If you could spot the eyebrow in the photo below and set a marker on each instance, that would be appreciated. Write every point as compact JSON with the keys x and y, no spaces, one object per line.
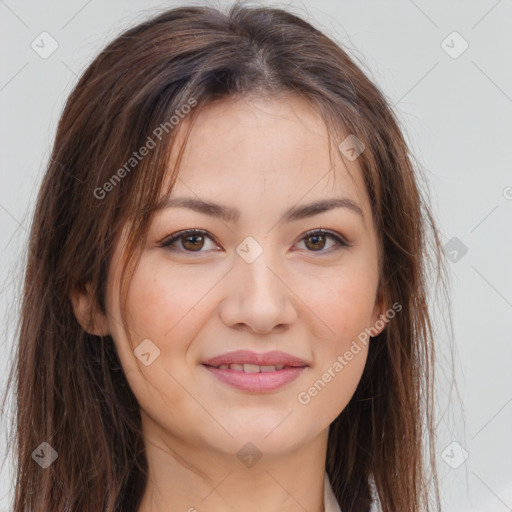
{"x":230,"y":214}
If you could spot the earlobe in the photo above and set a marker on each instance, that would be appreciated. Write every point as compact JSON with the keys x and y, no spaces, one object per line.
{"x":87,"y":314}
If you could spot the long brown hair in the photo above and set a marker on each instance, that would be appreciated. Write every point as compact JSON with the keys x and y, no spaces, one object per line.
{"x":69,"y":385}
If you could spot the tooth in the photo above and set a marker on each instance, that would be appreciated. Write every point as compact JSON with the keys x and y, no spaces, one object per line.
{"x":223,"y":366}
{"x":279,"y":366}
{"x":236,"y":366}
{"x":251,"y":368}
{"x":268,"y":368}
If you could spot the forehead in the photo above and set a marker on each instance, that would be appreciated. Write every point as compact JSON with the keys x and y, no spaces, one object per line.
{"x":274,"y":149}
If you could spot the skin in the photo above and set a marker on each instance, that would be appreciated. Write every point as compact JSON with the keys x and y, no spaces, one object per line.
{"x":310,"y":298}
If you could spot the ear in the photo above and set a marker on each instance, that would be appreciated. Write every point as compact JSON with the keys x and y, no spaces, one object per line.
{"x":87,"y":312}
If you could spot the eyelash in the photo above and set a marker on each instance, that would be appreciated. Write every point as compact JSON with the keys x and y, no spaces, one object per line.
{"x":182,"y":234}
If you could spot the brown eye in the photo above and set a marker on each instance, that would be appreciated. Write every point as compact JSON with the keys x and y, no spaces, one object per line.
{"x":317,"y":242}
{"x":191,"y":241}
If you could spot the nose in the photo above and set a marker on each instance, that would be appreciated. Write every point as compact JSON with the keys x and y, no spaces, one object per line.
{"x":258,"y":297}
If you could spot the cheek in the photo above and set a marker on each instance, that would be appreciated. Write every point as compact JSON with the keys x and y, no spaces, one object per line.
{"x":352,"y":308}
{"x":162,"y":305}
{"x":343,"y":302}
{"x":341,"y":356}
{"x":161,"y":308}
{"x":336,"y":383}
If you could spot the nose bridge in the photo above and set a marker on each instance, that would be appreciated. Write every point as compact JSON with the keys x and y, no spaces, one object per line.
{"x":257,"y":295}
{"x":259,"y":276}
{"x":258,"y":281}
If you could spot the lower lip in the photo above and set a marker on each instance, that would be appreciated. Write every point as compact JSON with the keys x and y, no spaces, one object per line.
{"x":261,"y":381}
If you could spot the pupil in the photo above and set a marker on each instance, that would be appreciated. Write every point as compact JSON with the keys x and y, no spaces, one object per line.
{"x":316,"y":237}
{"x":194,"y":241}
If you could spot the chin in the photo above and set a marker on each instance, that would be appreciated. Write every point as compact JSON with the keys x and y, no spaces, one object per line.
{"x":277,"y":438}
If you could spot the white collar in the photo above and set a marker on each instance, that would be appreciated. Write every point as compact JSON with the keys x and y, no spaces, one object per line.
{"x":331,"y":504}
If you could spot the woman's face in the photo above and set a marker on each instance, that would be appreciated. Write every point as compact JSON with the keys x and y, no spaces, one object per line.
{"x":251,"y":280}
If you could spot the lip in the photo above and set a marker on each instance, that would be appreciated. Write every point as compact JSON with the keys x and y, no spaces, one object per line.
{"x":261,"y":381}
{"x":257,"y":382}
{"x":271,"y":358}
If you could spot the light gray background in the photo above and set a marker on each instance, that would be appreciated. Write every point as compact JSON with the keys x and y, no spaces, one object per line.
{"x":457,"y":115}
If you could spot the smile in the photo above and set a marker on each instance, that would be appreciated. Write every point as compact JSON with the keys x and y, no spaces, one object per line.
{"x":250,"y":368}
{"x":254,"y":378}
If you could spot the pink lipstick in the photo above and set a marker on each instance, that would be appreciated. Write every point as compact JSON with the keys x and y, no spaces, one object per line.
{"x":256,"y":372}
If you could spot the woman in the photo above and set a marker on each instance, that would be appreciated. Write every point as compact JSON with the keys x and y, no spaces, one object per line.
{"x":209,"y":321}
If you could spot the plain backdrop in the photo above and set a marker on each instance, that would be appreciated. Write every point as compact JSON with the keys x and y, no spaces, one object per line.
{"x":446,"y":69}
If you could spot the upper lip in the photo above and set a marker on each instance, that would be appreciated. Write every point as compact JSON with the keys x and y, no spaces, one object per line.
{"x":272,"y":358}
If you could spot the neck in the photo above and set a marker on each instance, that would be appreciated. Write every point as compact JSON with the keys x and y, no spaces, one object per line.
{"x":193,"y":478}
